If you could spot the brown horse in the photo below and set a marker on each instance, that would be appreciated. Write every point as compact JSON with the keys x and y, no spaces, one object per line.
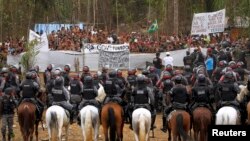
{"x":202,"y":118}
{"x":26,"y":113}
{"x":248,"y":113}
{"x":179,"y":124}
{"x":112,"y":121}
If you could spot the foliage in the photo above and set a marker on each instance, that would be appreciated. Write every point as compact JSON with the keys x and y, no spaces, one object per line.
{"x":17,"y":16}
{"x":28,"y":58}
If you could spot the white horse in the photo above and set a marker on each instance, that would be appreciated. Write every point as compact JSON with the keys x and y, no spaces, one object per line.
{"x":89,"y":121}
{"x":56,"y":119}
{"x":227,"y":115}
{"x":141,"y":122}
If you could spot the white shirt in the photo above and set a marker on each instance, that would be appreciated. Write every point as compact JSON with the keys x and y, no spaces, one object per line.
{"x":168,"y":60}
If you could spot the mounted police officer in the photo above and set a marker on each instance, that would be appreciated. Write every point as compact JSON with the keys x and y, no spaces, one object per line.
{"x":61,"y":96}
{"x":48,"y":73}
{"x":143,"y":97}
{"x":85,"y":72}
{"x":112,"y":89}
{"x":165,"y":86}
{"x":90,"y":92}
{"x":228,"y":90}
{"x":179,"y":96}
{"x":29,"y":91}
{"x":201,"y":94}
{"x":66,"y":76}
{"x":76,"y":88}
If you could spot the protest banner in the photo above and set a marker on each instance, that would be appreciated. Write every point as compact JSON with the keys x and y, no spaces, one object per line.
{"x":210,"y":22}
{"x":114,"y":56}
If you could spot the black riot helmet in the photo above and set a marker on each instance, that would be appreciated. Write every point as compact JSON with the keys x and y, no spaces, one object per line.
{"x":178,"y":79}
{"x":201,"y":78}
{"x":113,"y":74}
{"x":29,"y":75}
{"x":140,"y":80}
{"x":58,"y":81}
{"x":88,"y":80}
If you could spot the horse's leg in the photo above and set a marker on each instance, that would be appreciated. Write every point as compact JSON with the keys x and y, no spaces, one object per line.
{"x":169,"y":134}
{"x":66,"y":132}
{"x":36,"y":130}
{"x":96,"y":128}
{"x":105,"y":130}
{"x":195,"y":135}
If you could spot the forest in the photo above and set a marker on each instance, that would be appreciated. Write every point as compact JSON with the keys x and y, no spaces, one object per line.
{"x":174,"y":16}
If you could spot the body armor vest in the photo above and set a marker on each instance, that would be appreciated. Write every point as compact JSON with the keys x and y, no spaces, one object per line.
{"x":89,"y":93}
{"x":141,"y":96}
{"x":75,"y":88}
{"x":58,"y":95}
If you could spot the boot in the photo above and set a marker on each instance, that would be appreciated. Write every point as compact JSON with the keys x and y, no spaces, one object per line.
{"x":71,"y":117}
{"x":153,"y":122}
{"x":164,"y":125}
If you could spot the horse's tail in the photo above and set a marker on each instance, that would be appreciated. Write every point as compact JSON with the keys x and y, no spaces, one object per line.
{"x":88,"y":125}
{"x":180,"y":129}
{"x":142,"y":128}
{"x":53,"y":125}
{"x":203,"y":121}
{"x":25,"y":122}
{"x":111,"y":123}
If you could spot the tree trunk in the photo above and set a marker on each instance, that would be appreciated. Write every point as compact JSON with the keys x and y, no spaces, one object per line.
{"x":176,"y":16}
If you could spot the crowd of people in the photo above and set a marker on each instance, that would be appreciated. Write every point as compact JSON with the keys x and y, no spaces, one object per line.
{"x":73,"y":38}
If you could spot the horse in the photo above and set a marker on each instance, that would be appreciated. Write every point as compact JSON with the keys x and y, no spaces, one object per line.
{"x":202,"y":118}
{"x":227,"y":115}
{"x":112,"y":121}
{"x":56,"y":119}
{"x":141,"y":122}
{"x":89,"y":116}
{"x":28,"y":123}
{"x":179,"y":123}
{"x":248,"y":113}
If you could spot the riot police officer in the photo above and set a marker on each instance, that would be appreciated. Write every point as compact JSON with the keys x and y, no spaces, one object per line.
{"x":141,"y":97}
{"x":112,"y":88}
{"x":61,"y":96}
{"x":201,"y":94}
{"x":76,"y":88}
{"x":29,"y":91}
{"x":179,"y":96}
{"x":66,"y":76}
{"x":228,"y":90}
{"x":85,"y":72}
{"x":89,"y":93}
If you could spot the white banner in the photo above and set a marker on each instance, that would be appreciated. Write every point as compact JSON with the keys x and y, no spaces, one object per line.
{"x":211,"y":22}
{"x":94,"y":48}
{"x":114,"y":56}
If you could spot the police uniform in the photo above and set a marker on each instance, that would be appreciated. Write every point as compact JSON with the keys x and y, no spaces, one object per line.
{"x":29,"y":90}
{"x":61,"y":96}
{"x":7,"y":108}
{"x":89,"y":94}
{"x":179,"y":96}
{"x":112,"y":89}
{"x":143,"y":97}
{"x":228,"y":91}
{"x":76,"y":88}
{"x":201,"y":94}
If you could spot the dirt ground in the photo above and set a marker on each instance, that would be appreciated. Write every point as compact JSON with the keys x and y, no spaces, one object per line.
{"x":76,"y":135}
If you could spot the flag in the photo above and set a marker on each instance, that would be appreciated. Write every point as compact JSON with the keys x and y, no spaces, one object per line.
{"x":153,"y":27}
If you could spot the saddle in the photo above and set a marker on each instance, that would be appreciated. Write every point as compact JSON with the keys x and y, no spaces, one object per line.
{"x":136,"y":106}
{"x":180,"y":106}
